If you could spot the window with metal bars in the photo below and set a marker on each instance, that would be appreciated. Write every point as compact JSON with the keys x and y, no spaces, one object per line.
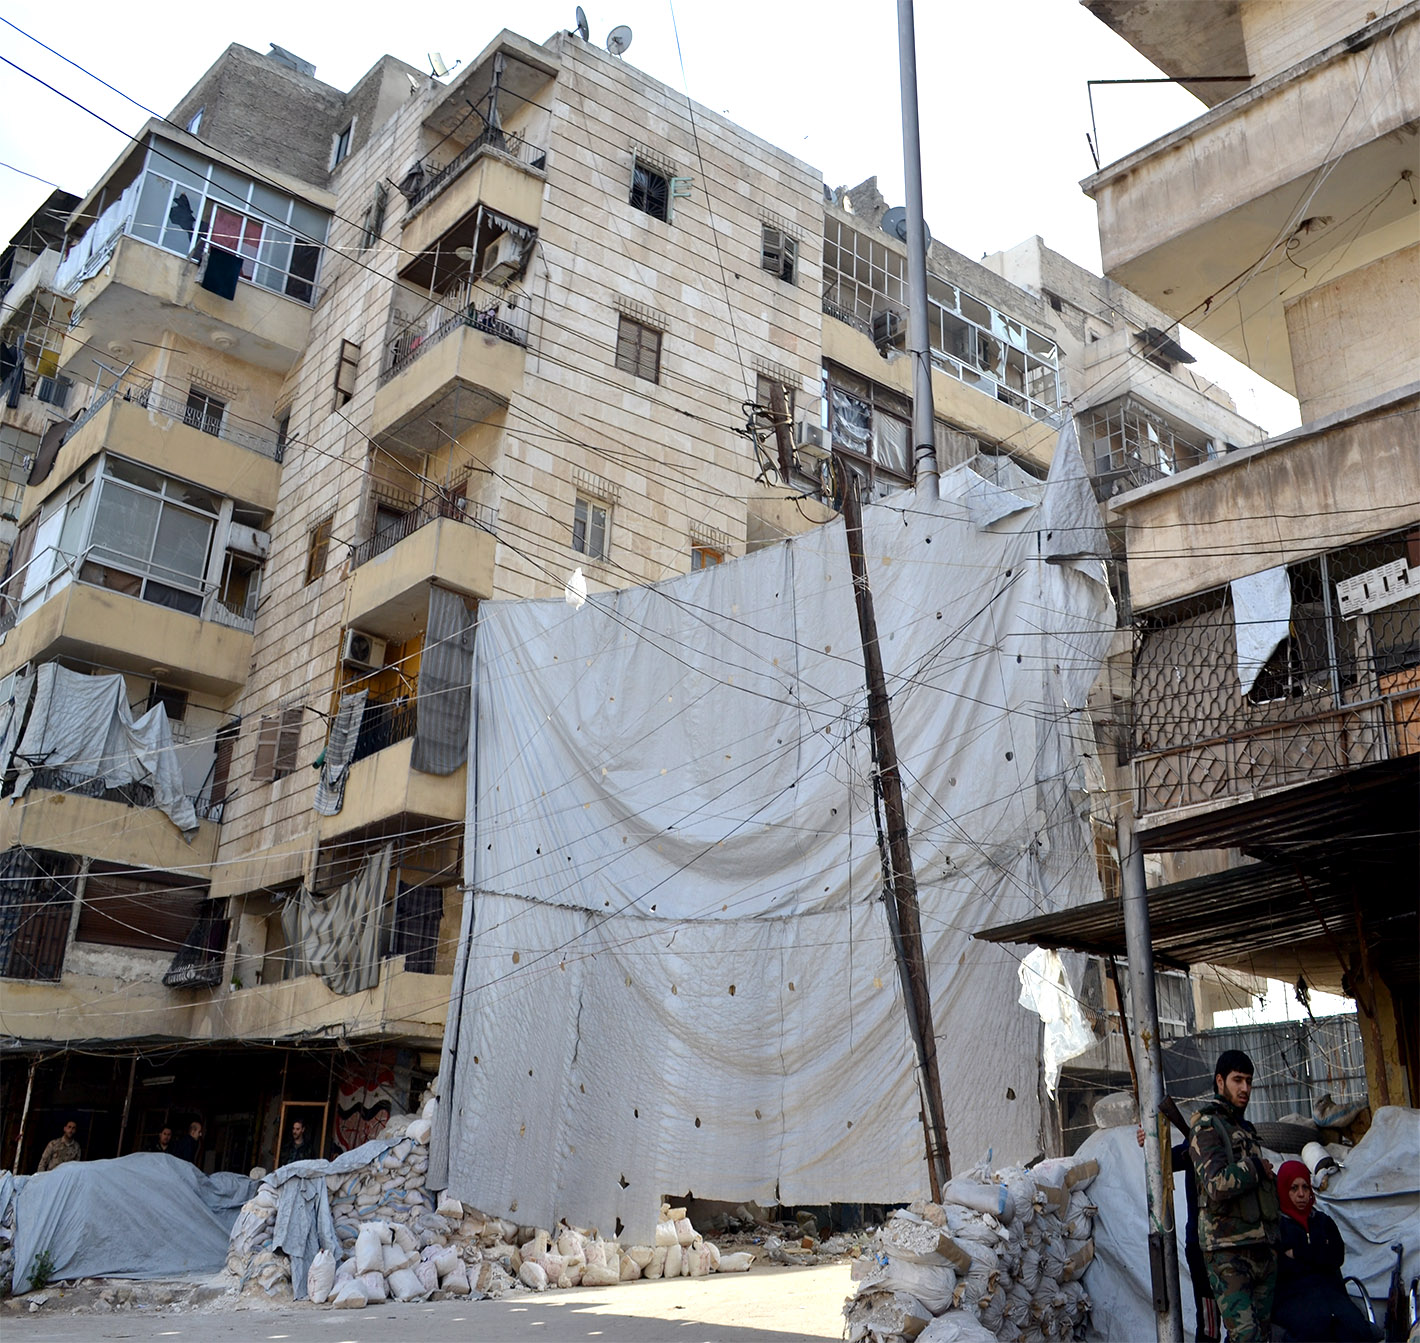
{"x":650,"y":191}
{"x":638,"y":349}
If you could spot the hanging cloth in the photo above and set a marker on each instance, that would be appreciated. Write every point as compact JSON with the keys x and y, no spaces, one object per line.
{"x":445,"y":668}
{"x":338,"y":937}
{"x":220,"y":276}
{"x":339,"y":754}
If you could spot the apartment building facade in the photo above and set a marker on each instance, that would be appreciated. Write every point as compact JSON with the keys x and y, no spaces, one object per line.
{"x":469,"y":338}
{"x":1276,"y":666}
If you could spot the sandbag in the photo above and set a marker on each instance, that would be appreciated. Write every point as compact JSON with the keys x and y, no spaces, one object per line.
{"x":739,"y":1262}
{"x":993,"y":1198}
{"x":350,"y":1295}
{"x":320,"y":1277}
{"x":673,"y":1260}
{"x":369,"y":1250}
{"x":404,"y":1285}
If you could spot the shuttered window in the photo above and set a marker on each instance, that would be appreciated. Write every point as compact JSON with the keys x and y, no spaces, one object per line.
{"x":638,"y":349}
{"x":317,"y":548}
{"x":149,"y":910}
{"x":345,"y":371}
{"x":278,"y":741}
{"x":779,"y":253}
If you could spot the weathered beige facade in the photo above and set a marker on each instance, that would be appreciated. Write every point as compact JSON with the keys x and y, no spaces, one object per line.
{"x":485,"y":333}
{"x":1276,"y":666}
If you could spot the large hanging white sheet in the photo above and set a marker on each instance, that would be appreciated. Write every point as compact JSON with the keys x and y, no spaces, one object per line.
{"x":675,"y":867}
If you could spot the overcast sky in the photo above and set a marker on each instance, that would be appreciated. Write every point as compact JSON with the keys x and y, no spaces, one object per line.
{"x":1004,"y":110}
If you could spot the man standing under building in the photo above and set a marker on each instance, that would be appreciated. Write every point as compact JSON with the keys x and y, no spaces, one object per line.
{"x":1237,"y":1196}
{"x":59,"y":1150}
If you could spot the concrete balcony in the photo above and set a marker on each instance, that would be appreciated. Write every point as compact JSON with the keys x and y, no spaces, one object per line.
{"x":113,"y":832}
{"x":499,"y":175}
{"x":108,"y":628}
{"x":159,"y":431}
{"x":383,"y":789}
{"x":143,"y":292}
{"x":1183,"y":217}
{"x":440,"y":383}
{"x":388,"y":592}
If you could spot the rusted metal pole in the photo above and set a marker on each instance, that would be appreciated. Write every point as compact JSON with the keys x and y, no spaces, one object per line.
{"x":25,"y":1114}
{"x":901,"y":883}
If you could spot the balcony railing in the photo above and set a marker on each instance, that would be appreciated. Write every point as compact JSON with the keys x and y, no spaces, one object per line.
{"x":386,"y":722}
{"x":149,"y":397}
{"x":1279,"y":754}
{"x":129,"y":794}
{"x":490,"y":138}
{"x":419,"y":515}
{"x":466,"y":305}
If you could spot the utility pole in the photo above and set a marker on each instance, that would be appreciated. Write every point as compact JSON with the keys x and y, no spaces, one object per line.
{"x":1158,"y":1186}
{"x":924,"y":433}
{"x":904,"y":916}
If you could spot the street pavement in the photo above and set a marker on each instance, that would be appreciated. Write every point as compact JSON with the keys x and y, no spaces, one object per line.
{"x":770,"y":1304}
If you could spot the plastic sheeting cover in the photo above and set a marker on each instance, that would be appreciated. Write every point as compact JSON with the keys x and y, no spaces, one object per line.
{"x":147,"y":1215}
{"x":679,"y":976}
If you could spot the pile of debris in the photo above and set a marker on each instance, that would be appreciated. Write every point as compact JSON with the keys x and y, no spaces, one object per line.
{"x":382,"y":1236}
{"x":995,"y":1259}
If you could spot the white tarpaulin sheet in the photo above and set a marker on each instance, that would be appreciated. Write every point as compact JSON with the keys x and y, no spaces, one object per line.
{"x":148,"y":1215}
{"x":678,"y":976}
{"x":82,"y":725}
{"x":1262,"y":618}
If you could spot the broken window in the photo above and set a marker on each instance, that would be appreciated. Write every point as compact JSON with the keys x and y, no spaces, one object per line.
{"x":650,"y":191}
{"x":590,"y":529}
{"x":374,"y":224}
{"x":778,"y":253}
{"x":638,"y":349}
{"x":1134,"y":444}
{"x":872,"y":424}
{"x":346,"y":367}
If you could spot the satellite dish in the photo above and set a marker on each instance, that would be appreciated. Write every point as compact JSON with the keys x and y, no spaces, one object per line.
{"x":894,"y":224}
{"x":618,"y":39}
{"x":436,"y":64}
{"x":414,"y":82}
{"x":583,"y":29}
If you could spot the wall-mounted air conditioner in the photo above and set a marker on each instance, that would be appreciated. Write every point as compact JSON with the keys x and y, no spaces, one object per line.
{"x":248,"y":540}
{"x":363,"y":651}
{"x":811,"y":437}
{"x":501,"y":259}
{"x":889,"y":330}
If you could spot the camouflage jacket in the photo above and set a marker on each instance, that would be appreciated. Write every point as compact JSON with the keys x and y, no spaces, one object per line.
{"x":1237,"y":1201}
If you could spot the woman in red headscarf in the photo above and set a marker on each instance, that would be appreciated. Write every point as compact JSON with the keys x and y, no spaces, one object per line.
{"x":1311,"y":1303}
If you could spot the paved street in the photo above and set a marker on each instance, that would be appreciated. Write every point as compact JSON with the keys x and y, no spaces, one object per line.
{"x":767,"y":1305}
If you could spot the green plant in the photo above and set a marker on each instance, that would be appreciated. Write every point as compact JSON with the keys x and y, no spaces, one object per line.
{"x":41,"y":1270}
{"x":236,"y":982}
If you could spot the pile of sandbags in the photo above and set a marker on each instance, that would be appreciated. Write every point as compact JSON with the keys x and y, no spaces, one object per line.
{"x":995,"y":1259}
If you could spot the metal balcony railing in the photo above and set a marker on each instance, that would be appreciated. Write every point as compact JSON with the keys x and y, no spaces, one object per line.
{"x":129,"y":794}
{"x":464,"y":306}
{"x":491,"y":138}
{"x":419,"y":515}
{"x":386,"y":722}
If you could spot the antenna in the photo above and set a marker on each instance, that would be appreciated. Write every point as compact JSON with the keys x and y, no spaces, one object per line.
{"x":583,"y":30}
{"x":437,"y":66}
{"x":618,"y":39}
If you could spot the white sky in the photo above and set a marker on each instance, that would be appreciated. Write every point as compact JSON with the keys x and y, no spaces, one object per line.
{"x":1004,"y":111}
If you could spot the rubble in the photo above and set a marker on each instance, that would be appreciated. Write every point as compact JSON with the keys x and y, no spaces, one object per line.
{"x":997,"y":1258}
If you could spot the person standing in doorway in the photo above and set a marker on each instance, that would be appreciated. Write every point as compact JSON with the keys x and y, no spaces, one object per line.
{"x":189,"y":1147}
{"x":61,"y":1149}
{"x":1237,"y":1203}
{"x":299,"y":1146}
{"x":165,"y":1140}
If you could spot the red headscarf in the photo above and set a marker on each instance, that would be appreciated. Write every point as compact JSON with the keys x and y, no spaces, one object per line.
{"x":1285,"y":1176}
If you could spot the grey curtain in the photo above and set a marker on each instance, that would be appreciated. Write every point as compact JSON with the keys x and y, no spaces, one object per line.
{"x":338,"y":937}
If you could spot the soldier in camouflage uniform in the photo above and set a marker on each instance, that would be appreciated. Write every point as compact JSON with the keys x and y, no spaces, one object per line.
{"x":1237,"y":1213}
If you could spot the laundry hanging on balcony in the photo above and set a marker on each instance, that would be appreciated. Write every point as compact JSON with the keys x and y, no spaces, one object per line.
{"x":339,"y":753}
{"x":198,"y":963}
{"x":338,"y":937}
{"x":12,"y":716}
{"x":220,"y":274}
{"x":441,"y":733}
{"x":1262,"y":618}
{"x":82,"y":728}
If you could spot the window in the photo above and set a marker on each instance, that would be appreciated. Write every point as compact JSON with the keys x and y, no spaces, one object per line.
{"x":278,"y":741}
{"x":150,"y":911}
{"x":872,"y":424}
{"x":374,"y":224}
{"x":702,"y":557}
{"x":222,"y":766}
{"x":204,"y":411}
{"x":173,"y":700}
{"x":651,"y":191}
{"x":638,"y":349}
{"x":764,"y":396}
{"x":345,"y":370}
{"x":589,"y":529}
{"x":340,"y":147}
{"x":317,"y":547}
{"x":195,"y":122}
{"x":779,"y":253}
{"x":283,"y":431}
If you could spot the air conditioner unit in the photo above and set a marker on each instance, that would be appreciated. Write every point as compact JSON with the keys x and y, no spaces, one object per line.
{"x":363,"y":650}
{"x":248,"y":540}
{"x":811,"y":437}
{"x":502,"y":258}
{"x":889,"y":330}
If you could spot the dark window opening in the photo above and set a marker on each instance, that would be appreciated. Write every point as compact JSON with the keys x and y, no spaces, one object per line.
{"x":204,"y":411}
{"x":651,"y":192}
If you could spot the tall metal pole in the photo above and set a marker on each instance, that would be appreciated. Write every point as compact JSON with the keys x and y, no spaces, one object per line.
{"x":924,"y":437}
{"x":1163,"y":1244}
{"x":904,"y":915}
